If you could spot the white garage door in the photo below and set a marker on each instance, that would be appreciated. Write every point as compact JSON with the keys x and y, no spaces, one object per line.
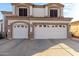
{"x":20,"y":31}
{"x":50,"y":31}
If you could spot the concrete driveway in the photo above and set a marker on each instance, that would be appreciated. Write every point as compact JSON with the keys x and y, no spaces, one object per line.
{"x":39,"y":47}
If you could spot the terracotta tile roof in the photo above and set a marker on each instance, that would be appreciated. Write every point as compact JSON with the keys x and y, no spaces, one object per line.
{"x":39,"y":5}
{"x":56,"y":4}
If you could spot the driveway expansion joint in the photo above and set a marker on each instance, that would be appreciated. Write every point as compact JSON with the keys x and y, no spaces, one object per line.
{"x":66,"y":50}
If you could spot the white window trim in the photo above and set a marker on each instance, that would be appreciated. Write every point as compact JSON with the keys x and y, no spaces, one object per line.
{"x":46,"y":11}
{"x":31,"y":11}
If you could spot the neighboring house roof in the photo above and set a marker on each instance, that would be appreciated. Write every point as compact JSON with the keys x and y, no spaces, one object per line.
{"x":74,"y":20}
{"x":75,"y":23}
{"x":7,"y":13}
{"x":1,"y":20}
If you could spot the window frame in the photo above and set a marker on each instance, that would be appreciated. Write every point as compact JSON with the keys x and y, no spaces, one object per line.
{"x":53,"y":9}
{"x":23,"y":8}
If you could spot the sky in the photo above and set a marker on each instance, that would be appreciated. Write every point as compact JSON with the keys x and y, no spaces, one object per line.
{"x":70,"y":9}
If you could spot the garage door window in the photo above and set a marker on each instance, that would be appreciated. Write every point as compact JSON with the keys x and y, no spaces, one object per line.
{"x":52,"y":25}
{"x":35,"y":25}
{"x":44,"y":25}
{"x":64,"y":26}
{"x":18,"y":25}
{"x":40,"y":25}
{"x":60,"y":25}
{"x":25,"y":26}
{"x":22,"y":25}
{"x":48,"y":26}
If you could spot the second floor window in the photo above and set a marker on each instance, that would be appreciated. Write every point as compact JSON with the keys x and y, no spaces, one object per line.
{"x":53,"y":13}
{"x":22,"y":11}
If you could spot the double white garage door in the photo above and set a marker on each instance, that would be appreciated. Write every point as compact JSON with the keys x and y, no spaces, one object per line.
{"x":20,"y":31}
{"x":50,"y":31}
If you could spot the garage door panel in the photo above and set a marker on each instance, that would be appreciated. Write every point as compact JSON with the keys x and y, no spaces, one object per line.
{"x":50,"y":32}
{"x":20,"y":31}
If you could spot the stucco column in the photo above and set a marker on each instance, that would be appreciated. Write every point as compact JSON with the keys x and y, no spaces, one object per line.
{"x":46,"y":11}
{"x":9,"y":34}
{"x":59,"y":12}
{"x":62,"y":12}
{"x":13,"y":9}
{"x":69,"y":34}
{"x":30,"y":10}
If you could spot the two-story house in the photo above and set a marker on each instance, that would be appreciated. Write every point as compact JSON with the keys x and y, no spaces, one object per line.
{"x":30,"y":21}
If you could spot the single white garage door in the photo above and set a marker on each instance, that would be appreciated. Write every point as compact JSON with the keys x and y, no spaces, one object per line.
{"x":20,"y":31}
{"x":50,"y":31}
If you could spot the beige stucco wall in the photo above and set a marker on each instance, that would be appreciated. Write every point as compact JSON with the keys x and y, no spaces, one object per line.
{"x":38,"y":12}
{"x":34,"y":21}
{"x":37,"y":21}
